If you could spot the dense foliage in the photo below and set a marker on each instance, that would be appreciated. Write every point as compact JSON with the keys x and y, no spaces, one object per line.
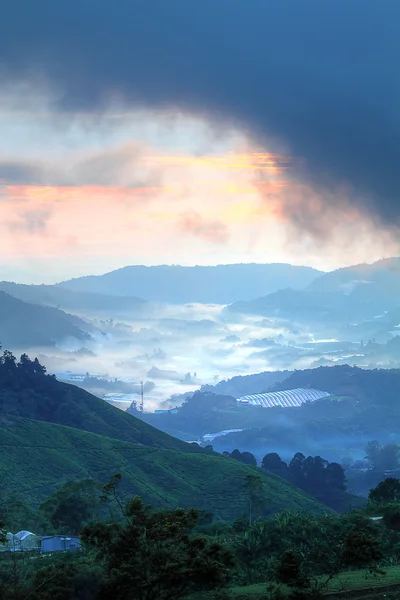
{"x":136,"y":552}
{"x":324,"y":480}
{"x":37,"y":453}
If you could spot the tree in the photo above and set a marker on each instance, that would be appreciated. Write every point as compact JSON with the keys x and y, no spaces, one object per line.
{"x":327,"y":548}
{"x":236,"y":454}
{"x":291,"y":570}
{"x":314,"y":474}
{"x":273,"y":462}
{"x":248,"y":459}
{"x":72,"y":506}
{"x":254,"y":487}
{"x":296,"y":467}
{"x":386,"y":491}
{"x":155,"y":556}
{"x":389,"y":457}
{"x":245,"y":457}
{"x":3,"y":533}
{"x":335,"y":476}
{"x":382,"y":458}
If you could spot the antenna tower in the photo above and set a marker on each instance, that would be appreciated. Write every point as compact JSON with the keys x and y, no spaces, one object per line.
{"x":141,"y":397}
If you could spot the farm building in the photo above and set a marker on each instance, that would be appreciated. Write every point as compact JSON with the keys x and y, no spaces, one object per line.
{"x":59,"y":543}
{"x":25,"y":541}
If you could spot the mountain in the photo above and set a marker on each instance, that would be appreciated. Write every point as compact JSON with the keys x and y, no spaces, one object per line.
{"x":59,"y":297}
{"x":221,"y":284}
{"x":89,"y":438}
{"x":347,"y":295}
{"x":384,"y":272}
{"x":242,"y":385}
{"x":327,"y":308}
{"x":25,"y":325}
{"x":376,"y":386}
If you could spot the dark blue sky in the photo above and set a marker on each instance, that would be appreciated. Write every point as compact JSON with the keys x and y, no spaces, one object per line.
{"x":322,"y":75}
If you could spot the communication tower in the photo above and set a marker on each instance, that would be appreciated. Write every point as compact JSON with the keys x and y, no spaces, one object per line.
{"x":141,"y":397}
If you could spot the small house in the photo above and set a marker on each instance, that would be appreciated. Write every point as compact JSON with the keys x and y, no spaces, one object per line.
{"x":60,"y":543}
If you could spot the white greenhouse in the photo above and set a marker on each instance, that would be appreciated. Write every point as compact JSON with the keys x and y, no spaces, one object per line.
{"x":21,"y":541}
{"x":285,"y":399}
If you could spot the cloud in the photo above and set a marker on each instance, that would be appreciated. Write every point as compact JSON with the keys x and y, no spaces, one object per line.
{"x":30,"y":221}
{"x":16,"y":172}
{"x":211,"y":230}
{"x":121,"y":166}
{"x":317,"y":78}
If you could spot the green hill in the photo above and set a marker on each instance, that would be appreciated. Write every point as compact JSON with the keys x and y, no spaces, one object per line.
{"x":36,"y":457}
{"x":52,"y":432}
{"x":46,"y":399}
{"x":25,"y":325}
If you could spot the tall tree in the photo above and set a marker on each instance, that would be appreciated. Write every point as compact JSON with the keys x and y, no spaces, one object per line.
{"x":254,"y":486}
{"x":273,"y":462}
{"x":155,"y":556}
{"x":296,"y":469}
{"x":386,"y":491}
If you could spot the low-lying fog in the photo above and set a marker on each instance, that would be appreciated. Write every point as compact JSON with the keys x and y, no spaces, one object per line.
{"x":176,"y":349}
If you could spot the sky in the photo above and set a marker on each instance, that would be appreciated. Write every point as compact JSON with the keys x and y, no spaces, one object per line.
{"x":154,"y":132}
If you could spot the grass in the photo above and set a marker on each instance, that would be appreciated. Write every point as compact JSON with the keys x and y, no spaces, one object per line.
{"x":36,"y":457}
{"x":346,"y":583}
{"x":46,"y":399}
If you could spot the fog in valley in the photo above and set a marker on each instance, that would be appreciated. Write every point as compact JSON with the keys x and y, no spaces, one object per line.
{"x":199,"y":300}
{"x":174,"y":349}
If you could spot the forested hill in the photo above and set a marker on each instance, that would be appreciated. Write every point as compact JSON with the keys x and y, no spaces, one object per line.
{"x":25,"y":325}
{"x":39,"y":452}
{"x":27,"y":391}
{"x":380,"y":386}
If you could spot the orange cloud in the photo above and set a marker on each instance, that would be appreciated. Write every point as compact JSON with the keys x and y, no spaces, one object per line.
{"x":211,"y":230}
{"x":41,"y":193}
{"x":255,"y":161}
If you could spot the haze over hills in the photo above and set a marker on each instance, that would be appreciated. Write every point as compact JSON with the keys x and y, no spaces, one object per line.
{"x":385,"y":272}
{"x":208,"y":285}
{"x":368,"y":287}
{"x":23,"y":324}
{"x":228,"y":430}
{"x":359,"y":304}
{"x":177,"y":347}
{"x":66,"y":299}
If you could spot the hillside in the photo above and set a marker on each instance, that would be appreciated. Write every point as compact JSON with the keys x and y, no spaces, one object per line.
{"x":317,"y":306}
{"x":377,"y":385}
{"x":221,"y":284}
{"x":89,"y":438}
{"x":383,"y":272}
{"x":42,"y":397}
{"x":37,"y":456}
{"x":59,"y":297}
{"x":25,"y":325}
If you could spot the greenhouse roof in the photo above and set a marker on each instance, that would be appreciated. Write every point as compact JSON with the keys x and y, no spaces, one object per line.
{"x":285,"y":398}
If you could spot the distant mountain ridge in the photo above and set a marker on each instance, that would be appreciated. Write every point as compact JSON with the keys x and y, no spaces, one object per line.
{"x":23,"y":324}
{"x":347,"y":294}
{"x":220,"y":284}
{"x":60,"y":297}
{"x":385,"y":273}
